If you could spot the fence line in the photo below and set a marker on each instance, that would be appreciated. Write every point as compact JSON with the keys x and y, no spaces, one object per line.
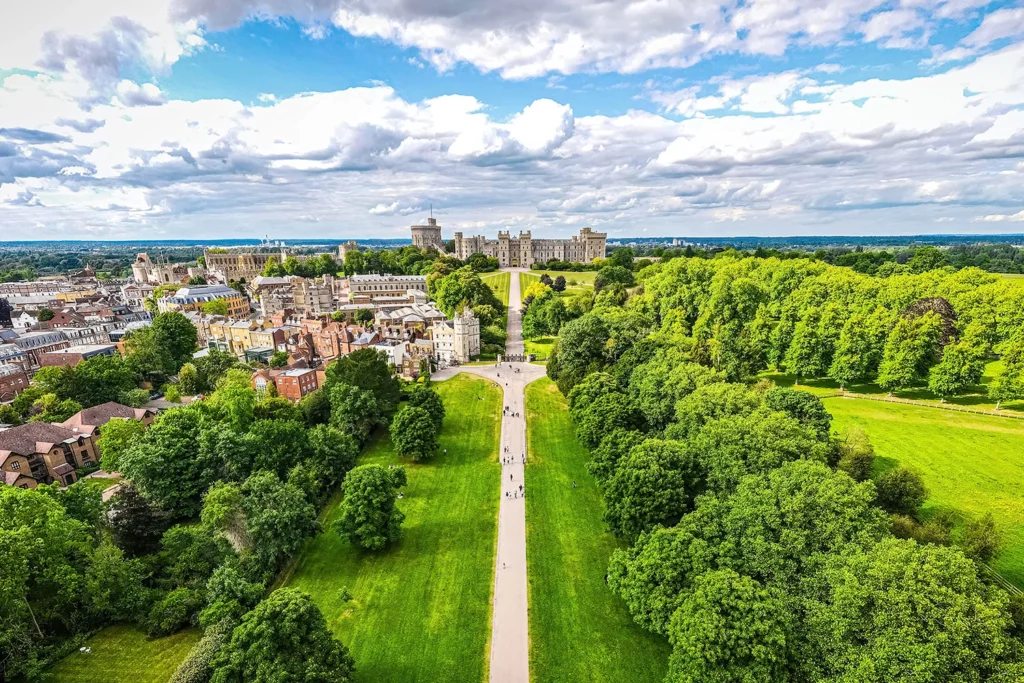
{"x":1003,"y":582}
{"x":924,"y":404}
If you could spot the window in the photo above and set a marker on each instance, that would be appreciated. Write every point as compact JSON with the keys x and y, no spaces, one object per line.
{"x":15,"y":466}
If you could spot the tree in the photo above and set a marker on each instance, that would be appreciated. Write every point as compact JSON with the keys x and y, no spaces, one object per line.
{"x":191,"y":554}
{"x":711,"y":402}
{"x":729,"y":629}
{"x":216,"y":307}
{"x":316,"y":407}
{"x":188,"y":380}
{"x":279,"y":359}
{"x":580,"y":350}
{"x":901,"y":491}
{"x":368,"y":369}
{"x":559,"y":284}
{"x":607,"y":413}
{"x":276,"y":408}
{"x":229,"y":595}
{"x":353,"y":410}
{"x":651,"y":486}
{"x":45,"y":315}
{"x":196,"y":280}
{"x":414,"y":433}
{"x":235,"y":398}
{"x":171,"y":393}
{"x":114,"y":585}
{"x":367,"y":516}
{"x":428,"y":399}
{"x":982,"y":538}
{"x":613,"y":275}
{"x":856,"y":454}
{"x":1009,"y":384}
{"x":93,"y":381}
{"x":81,"y":502}
{"x":912,"y":348}
{"x":50,"y":408}
{"x":135,"y":523}
{"x":167,"y":464}
{"x":285,"y":638}
{"x":962,"y":364}
{"x":364,"y":316}
{"x":897,"y":611}
{"x":9,"y":416}
{"x":334,"y":453}
{"x":623,"y":257}
{"x":803,"y":406}
{"x":616,"y":445}
{"x":277,"y":445}
{"x":278,"y":518}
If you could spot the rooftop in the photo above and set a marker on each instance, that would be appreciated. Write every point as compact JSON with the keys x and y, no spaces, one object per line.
{"x":23,"y":438}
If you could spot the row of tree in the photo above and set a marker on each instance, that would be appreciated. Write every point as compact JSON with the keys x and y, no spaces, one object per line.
{"x":758,"y":543}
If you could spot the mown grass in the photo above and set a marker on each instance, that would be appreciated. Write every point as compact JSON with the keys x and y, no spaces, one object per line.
{"x":971,"y":464}
{"x":579,"y":630}
{"x":540,"y":347}
{"x":421,"y":610}
{"x":123,"y":653}
{"x":584,"y":281}
{"x":974,"y":397}
{"x":499,"y":284}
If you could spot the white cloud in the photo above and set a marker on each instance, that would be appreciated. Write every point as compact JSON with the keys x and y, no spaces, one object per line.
{"x":1003,"y":23}
{"x":1002,"y":217}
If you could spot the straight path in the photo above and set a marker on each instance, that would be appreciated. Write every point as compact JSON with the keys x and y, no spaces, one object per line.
{"x":510,"y":640}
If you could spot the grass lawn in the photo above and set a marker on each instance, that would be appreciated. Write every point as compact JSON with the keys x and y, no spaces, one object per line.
{"x":579,"y":629}
{"x":122,"y":653}
{"x":499,"y":283}
{"x":584,"y":281}
{"x":421,"y":610}
{"x":100,"y":483}
{"x":971,"y":464}
{"x":976,"y":397}
{"x":541,"y":346}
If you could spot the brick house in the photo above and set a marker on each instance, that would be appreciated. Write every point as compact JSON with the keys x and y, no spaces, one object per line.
{"x":290,"y":383}
{"x":90,"y":421}
{"x":73,"y":355}
{"x":13,"y":381}
{"x":44,"y":453}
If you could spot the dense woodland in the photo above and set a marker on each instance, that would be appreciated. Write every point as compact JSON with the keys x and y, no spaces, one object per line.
{"x":758,"y":542}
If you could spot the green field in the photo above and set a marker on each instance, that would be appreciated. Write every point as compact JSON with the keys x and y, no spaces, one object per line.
{"x":499,"y":283}
{"x":971,"y":464}
{"x":1012,"y":276}
{"x":584,"y":281}
{"x":976,"y":397}
{"x":540,"y":347}
{"x":122,"y":653}
{"x":579,"y":630}
{"x":421,"y":610}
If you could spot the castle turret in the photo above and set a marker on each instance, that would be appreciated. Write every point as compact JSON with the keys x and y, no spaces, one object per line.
{"x":427,"y":236}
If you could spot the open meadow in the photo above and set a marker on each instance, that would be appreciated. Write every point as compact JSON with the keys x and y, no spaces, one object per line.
{"x":420,"y":611}
{"x":499,"y":283}
{"x":971,"y":464}
{"x":124,"y":653}
{"x":579,"y":630}
{"x":583,"y":281}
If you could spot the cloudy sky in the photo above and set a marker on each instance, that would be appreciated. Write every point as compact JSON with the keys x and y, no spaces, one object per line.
{"x":161,"y":119}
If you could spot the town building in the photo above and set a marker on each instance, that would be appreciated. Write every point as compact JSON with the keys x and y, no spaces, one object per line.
{"x":41,"y":453}
{"x":13,"y":381}
{"x":12,"y":354}
{"x":238,"y":265}
{"x":73,"y":355}
{"x":193,"y":298}
{"x":428,"y":236}
{"x":458,"y":340}
{"x":35,"y":344}
{"x":524,"y":251}
{"x":147,"y":271}
{"x":90,"y":421}
{"x":346,"y":249}
{"x":368,"y":288}
{"x":290,"y":383}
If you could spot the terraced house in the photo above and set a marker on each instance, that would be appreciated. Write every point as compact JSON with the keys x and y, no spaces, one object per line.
{"x":41,"y":453}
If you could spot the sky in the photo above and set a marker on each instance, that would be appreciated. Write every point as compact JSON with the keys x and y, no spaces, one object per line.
{"x":165,"y":119}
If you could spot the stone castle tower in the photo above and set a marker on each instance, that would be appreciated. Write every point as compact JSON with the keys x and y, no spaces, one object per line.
{"x":428,"y":236}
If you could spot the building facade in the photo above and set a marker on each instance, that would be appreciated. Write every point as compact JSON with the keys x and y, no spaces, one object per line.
{"x":524,"y":251}
{"x":237,"y":265}
{"x":458,"y":340}
{"x":41,"y":453}
{"x":367,"y":288}
{"x":427,"y":236}
{"x":193,"y":298}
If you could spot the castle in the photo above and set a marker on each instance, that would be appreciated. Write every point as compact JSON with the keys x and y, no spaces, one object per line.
{"x":522,"y":251}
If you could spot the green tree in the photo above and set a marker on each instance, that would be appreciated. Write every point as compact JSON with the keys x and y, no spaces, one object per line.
{"x":285,"y":638}
{"x":802,"y":406}
{"x":114,"y":585}
{"x":353,"y":410}
{"x":333,"y":454}
{"x":216,"y":307}
{"x":50,"y":408}
{"x":428,"y":399}
{"x":982,"y":539}
{"x":462,"y":287}
{"x":901,"y":491}
{"x":711,"y":402}
{"x":279,"y":359}
{"x":136,"y":525}
{"x":176,"y":337}
{"x":730,"y":629}
{"x":316,"y":407}
{"x":45,"y":315}
{"x":367,"y":516}
{"x":613,"y":275}
{"x":616,"y":445}
{"x":912,"y":348}
{"x":856,"y":454}
{"x":609,"y":412}
{"x":1009,"y":383}
{"x":278,"y":518}
{"x":368,"y":369}
{"x":414,"y":433}
{"x":651,"y":486}
{"x":580,"y":350}
{"x":897,"y":611}
{"x":364,"y":316}
{"x":962,"y":364}
{"x":191,"y":554}
{"x":229,"y":595}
